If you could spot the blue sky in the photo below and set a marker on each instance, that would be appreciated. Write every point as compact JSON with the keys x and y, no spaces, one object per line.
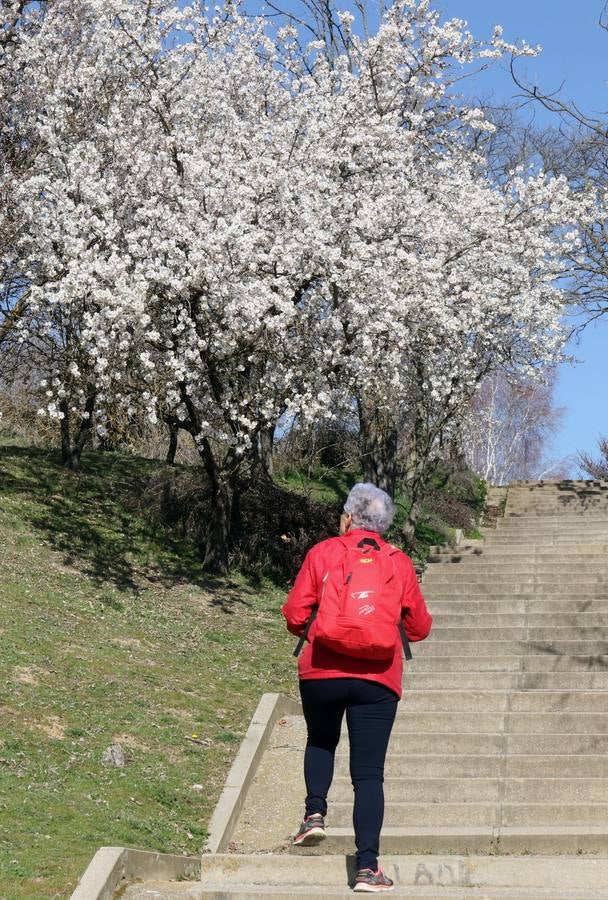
{"x":575,"y":50}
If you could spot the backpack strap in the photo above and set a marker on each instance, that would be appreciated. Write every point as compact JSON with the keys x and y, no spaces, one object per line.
{"x":313,"y":614}
{"x":390,"y":549}
{"x":307,"y":628}
{"x":404,"y":640}
{"x":365,"y":542}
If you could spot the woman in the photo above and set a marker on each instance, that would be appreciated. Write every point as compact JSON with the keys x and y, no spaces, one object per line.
{"x":367,"y":690}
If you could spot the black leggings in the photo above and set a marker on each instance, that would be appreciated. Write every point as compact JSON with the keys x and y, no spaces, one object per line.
{"x":370,"y":712}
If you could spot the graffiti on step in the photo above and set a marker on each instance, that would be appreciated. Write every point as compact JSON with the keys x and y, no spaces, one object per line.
{"x":443,"y":874}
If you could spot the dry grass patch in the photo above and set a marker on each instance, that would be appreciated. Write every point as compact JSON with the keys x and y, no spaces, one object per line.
{"x":52,"y":726}
{"x":29,"y":675}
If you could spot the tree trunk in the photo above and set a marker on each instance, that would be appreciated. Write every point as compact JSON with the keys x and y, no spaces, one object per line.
{"x":409,"y":526}
{"x":172,"y":449}
{"x":266,"y":446}
{"x":378,"y":446}
{"x":12,"y":317}
{"x":217,"y":537}
{"x":224,"y":481}
{"x":66,"y":442}
{"x":72,"y":451}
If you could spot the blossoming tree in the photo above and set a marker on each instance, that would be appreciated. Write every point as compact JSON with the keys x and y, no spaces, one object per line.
{"x":223,"y":225}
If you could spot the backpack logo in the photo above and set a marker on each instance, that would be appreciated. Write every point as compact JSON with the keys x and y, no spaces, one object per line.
{"x":367,"y":610}
{"x":361,"y":595}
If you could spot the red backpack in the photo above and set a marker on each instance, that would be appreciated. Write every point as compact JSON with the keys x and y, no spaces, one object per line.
{"x":359,"y":609}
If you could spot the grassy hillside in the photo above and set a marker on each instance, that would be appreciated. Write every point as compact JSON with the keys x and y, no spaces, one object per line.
{"x":110,"y":632}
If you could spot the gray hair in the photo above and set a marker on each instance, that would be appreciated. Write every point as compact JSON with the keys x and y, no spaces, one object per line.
{"x":370,"y":507}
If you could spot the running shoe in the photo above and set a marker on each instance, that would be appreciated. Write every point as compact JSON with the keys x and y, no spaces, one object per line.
{"x":312,"y":831}
{"x":368,"y":881}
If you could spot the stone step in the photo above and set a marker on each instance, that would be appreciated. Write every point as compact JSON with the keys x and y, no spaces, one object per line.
{"x":167,"y":890}
{"x":579,"y":532}
{"x":581,"y":512}
{"x":553,"y":511}
{"x":555,"y":501}
{"x":559,"y":607}
{"x":579,"y":526}
{"x":500,"y":722}
{"x":490,"y":839}
{"x":570,"y":511}
{"x":541,"y":542}
{"x":458,"y":742}
{"x":551,"y":506}
{"x":508,"y":556}
{"x":532,"y":537}
{"x":423,"y":790}
{"x":570,"y":506}
{"x":445,"y":876}
{"x":537,"y":578}
{"x":522,"y":633}
{"x":472,"y":648}
{"x":535,"y":539}
{"x":578,"y":539}
{"x":532,"y":662}
{"x":489,"y":743}
{"x":482,"y":813}
{"x":509,"y":601}
{"x":484,"y":569}
{"x":584,"y":519}
{"x":515,"y":583}
{"x":566,"y":488}
{"x":490,"y":590}
{"x":494,"y":546}
{"x":480,"y":789}
{"x":471,"y":766}
{"x":500,"y":701}
{"x":503,"y":557}
{"x":562,"y":485}
{"x":474,"y":620}
{"x":539,"y":681}
{"x":402,"y":815}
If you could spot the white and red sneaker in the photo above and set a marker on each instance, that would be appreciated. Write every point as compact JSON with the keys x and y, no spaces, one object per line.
{"x":312,"y":831}
{"x":370,"y":882}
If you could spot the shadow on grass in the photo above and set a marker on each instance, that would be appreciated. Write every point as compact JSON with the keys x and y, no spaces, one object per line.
{"x":92,"y":517}
{"x":131,"y":522}
{"x":227,"y":596}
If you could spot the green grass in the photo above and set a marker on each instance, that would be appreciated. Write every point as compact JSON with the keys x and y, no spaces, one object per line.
{"x":333,"y":484}
{"x":111,"y":632}
{"x":320,"y":483}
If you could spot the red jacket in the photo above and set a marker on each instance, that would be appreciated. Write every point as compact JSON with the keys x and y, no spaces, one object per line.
{"x":318,"y":661}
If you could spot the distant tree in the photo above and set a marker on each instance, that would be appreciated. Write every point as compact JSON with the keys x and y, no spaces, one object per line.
{"x":577,"y":148}
{"x":595,"y":468}
{"x":508,"y":425}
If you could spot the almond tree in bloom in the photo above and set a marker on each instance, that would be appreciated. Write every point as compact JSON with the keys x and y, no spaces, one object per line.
{"x":223,"y":226}
{"x":17,"y":152}
{"x":492,"y":267}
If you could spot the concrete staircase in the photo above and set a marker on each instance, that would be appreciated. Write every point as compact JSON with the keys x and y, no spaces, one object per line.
{"x":501,"y":742}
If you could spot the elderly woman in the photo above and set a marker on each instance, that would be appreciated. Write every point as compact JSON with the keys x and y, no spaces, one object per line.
{"x":341,"y":670}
